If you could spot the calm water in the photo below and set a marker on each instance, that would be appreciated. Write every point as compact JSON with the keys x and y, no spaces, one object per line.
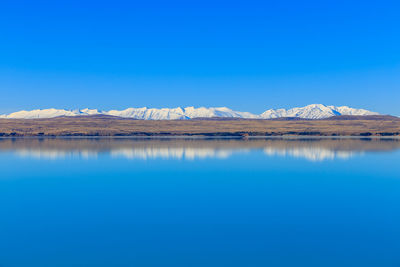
{"x":257,"y":202}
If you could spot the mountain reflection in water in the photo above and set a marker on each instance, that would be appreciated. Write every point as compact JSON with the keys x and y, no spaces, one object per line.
{"x":312,"y":149}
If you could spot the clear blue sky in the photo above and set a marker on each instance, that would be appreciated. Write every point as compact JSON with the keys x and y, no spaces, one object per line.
{"x":247,"y":55}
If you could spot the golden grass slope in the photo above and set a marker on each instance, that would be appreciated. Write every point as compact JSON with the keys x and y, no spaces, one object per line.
{"x":113,"y":126}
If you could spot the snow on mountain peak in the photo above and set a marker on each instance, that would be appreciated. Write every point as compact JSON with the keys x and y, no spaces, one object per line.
{"x":313,"y":111}
{"x":88,"y":111}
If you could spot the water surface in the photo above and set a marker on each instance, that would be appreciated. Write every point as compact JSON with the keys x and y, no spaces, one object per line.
{"x":191,"y":202}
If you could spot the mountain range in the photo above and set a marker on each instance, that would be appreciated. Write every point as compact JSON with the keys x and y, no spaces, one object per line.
{"x":314,"y":111}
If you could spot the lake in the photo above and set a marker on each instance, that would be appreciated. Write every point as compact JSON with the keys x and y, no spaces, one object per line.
{"x":199,"y":202}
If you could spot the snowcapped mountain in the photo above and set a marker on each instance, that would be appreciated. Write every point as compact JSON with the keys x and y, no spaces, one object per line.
{"x":179,"y":113}
{"x":149,"y":113}
{"x":49,"y":113}
{"x":315,"y":111}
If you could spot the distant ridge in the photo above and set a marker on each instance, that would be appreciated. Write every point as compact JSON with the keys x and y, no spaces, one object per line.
{"x":314,"y":111}
{"x":366,"y":117}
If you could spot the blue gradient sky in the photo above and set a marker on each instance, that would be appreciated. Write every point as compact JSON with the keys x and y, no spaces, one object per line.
{"x":247,"y":55}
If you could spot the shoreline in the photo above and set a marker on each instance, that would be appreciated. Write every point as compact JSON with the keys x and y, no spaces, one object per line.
{"x":196,"y":137}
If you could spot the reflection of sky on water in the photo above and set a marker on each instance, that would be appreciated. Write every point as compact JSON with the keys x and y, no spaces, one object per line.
{"x":122,"y":198}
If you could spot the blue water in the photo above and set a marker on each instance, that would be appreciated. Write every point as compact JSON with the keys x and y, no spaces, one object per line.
{"x":103,"y":203}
